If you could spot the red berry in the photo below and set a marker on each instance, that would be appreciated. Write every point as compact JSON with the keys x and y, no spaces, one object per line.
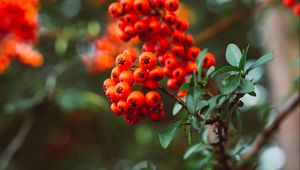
{"x":140,"y":26}
{"x":142,"y":6}
{"x":170,"y":18}
{"x":136,"y":99}
{"x":151,"y":84}
{"x":110,"y":94}
{"x":131,"y":53}
{"x":171,"y":5}
{"x":123,"y":61}
{"x":115,"y":9}
{"x":171,"y":62}
{"x":147,"y":60}
{"x":152,"y":99}
{"x":122,"y":90}
{"x":122,"y":106}
{"x":108,"y":83}
{"x":126,"y":76}
{"x":297,"y":9}
{"x":181,"y":24}
{"x":208,"y":60}
{"x":130,"y":118}
{"x":193,"y":53}
{"x":190,"y":67}
{"x":115,"y":110}
{"x":156,"y":74}
{"x":127,"y":5}
{"x":182,"y":93}
{"x":179,"y":73}
{"x":289,"y":3}
{"x":140,"y":75}
{"x":115,"y":73}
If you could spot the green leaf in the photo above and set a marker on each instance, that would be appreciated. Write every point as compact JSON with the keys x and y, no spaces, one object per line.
{"x":193,"y":95}
{"x":225,"y":69}
{"x":244,"y":58}
{"x":261,"y":61}
{"x":187,"y":133}
{"x":194,"y":149}
{"x":166,"y":136}
{"x":199,"y":62}
{"x":210,"y":71}
{"x":230,"y":84}
{"x":185,"y":86}
{"x":201,"y":104}
{"x":246,"y":86}
{"x":233,"y":55}
{"x":236,"y":120}
{"x":177,"y":107}
{"x":144,"y":165}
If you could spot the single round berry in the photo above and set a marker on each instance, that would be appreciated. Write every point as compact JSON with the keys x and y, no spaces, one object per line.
{"x":110,"y":94}
{"x":136,"y":99}
{"x":147,"y":60}
{"x":131,"y":118}
{"x":171,"y":5}
{"x":115,"y":109}
{"x":208,"y":60}
{"x":122,"y":106}
{"x":157,"y":73}
{"x":108,"y":83}
{"x":179,"y":73}
{"x":193,"y":53}
{"x":140,"y":75}
{"x":122,"y":90}
{"x":115,"y":9}
{"x":151,"y":84}
{"x":123,"y":61}
{"x":171,"y":62}
{"x":152,"y":99}
{"x":126,"y":76}
{"x":115,"y":73}
{"x":131,"y":53}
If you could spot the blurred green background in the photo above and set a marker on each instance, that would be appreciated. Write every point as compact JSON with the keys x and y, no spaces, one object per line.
{"x":72,"y":125}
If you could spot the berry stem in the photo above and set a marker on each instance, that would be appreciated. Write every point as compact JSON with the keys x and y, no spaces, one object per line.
{"x":177,"y":99}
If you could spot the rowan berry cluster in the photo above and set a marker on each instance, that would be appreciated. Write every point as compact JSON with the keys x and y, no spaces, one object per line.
{"x":124,"y":87}
{"x":18,"y":30}
{"x":162,"y":33}
{"x":294,"y":5}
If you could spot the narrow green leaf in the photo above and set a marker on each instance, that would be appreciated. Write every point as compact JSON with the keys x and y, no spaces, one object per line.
{"x":166,"y":136}
{"x":244,"y":58}
{"x":201,"y":104}
{"x":210,"y":71}
{"x":230,"y":84}
{"x":246,"y":86}
{"x":187,"y":133}
{"x":261,"y":61}
{"x":236,"y":120}
{"x":224,"y":69}
{"x":199,"y":62}
{"x":233,"y":55}
{"x":193,"y":149}
{"x":193,"y":95}
{"x":177,"y":107}
{"x":185,"y":86}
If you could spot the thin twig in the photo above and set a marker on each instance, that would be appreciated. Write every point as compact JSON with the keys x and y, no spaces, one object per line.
{"x":229,"y":21}
{"x":177,"y":99}
{"x":16,"y":143}
{"x":292,"y":103}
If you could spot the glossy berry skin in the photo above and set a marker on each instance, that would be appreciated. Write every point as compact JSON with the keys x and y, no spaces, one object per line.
{"x":171,"y":5}
{"x":181,"y":24}
{"x":179,"y":73}
{"x":156,"y":74}
{"x":115,"y":73}
{"x":115,"y":110}
{"x":123,"y":61}
{"x":190,"y":67}
{"x":140,"y":26}
{"x":142,"y":6}
{"x":151,"y":84}
{"x":140,"y":75}
{"x":115,"y":9}
{"x":122,"y":106}
{"x":122,"y":90}
{"x":136,"y":99}
{"x":170,"y":18}
{"x":152,"y":99}
{"x":110,"y":94}
{"x":147,"y":60}
{"x":208,"y":60}
{"x":193,"y":53}
{"x":131,"y":53}
{"x":126,"y":76}
{"x":108,"y":83}
{"x":171,"y":62}
{"x":131,"y":119}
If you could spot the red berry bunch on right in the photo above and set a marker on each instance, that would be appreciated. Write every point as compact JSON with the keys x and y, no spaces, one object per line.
{"x":294,"y":5}
{"x":126,"y":85}
{"x":163,"y":33}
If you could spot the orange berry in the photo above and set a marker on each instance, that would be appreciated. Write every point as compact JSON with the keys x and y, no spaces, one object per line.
{"x":208,"y":60}
{"x":122,"y":106}
{"x":136,"y":99}
{"x":156,"y":74}
{"x":140,"y":75}
{"x":110,"y":93}
{"x":108,"y":83}
{"x":123,"y":61}
{"x":126,"y":76}
{"x":179,"y":73}
{"x":122,"y":90}
{"x":190,"y":67}
{"x":115,"y":73}
{"x":151,"y":84}
{"x":115,"y":110}
{"x":131,"y":53}
{"x":152,"y":99}
{"x":147,"y":60}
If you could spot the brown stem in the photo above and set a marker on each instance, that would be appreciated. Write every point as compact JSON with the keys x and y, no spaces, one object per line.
{"x":258,"y":143}
{"x":177,"y":99}
{"x":220,"y":146}
{"x":229,"y":21}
